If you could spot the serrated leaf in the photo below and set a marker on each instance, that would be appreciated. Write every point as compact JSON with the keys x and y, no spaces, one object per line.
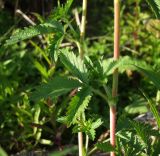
{"x":74,"y":64}
{"x":78,"y":105}
{"x":94,"y":125}
{"x":129,"y":143}
{"x":88,"y":127}
{"x":61,"y":11}
{"x":105,"y":147}
{"x":54,"y":45}
{"x":55,"y":87}
{"x":125,"y":63}
{"x":26,"y":33}
{"x":144,"y":132}
{"x":97,"y":123}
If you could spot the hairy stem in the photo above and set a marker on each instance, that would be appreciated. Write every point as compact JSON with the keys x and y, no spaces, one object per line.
{"x":115,"y":74}
{"x":81,"y":52}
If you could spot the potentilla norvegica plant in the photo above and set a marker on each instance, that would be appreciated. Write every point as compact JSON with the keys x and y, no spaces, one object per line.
{"x":86,"y":76}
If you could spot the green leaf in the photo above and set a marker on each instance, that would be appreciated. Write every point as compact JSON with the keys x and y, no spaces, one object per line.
{"x":137,"y":105}
{"x":41,"y":69}
{"x":125,"y":63}
{"x":55,"y":87}
{"x":129,"y":143}
{"x":144,"y":133}
{"x":54,"y":45}
{"x":105,"y":146}
{"x":96,"y":71}
{"x":97,"y":123}
{"x":2,"y":152}
{"x":26,"y":33}
{"x":74,"y":64}
{"x":61,"y":11}
{"x":153,"y":109}
{"x":94,"y":125}
{"x":78,"y":105}
{"x":152,"y":75}
{"x":88,"y":127}
{"x":155,"y":6}
{"x":68,"y":5}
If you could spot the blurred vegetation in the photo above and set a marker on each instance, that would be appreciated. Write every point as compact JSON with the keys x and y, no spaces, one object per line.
{"x":25,"y":124}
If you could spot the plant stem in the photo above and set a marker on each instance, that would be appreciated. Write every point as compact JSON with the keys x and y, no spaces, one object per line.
{"x":81,"y":52}
{"x":87,"y":142}
{"x":83,"y":26}
{"x":80,"y":143}
{"x":100,"y":94}
{"x":115,"y":74}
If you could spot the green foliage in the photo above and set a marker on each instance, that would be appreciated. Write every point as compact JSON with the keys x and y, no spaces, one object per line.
{"x":42,"y":29}
{"x":78,"y":105}
{"x":152,"y":75}
{"x":62,"y":10}
{"x":26,"y":124}
{"x":143,"y":132}
{"x":74,"y":64}
{"x":55,"y":87}
{"x":105,"y":146}
{"x":129,"y":144}
{"x":123,"y":64}
{"x":136,"y":138}
{"x":2,"y":152}
{"x":88,"y":127}
{"x":153,"y":109}
{"x":155,"y":5}
{"x":137,"y":105}
{"x":127,"y":63}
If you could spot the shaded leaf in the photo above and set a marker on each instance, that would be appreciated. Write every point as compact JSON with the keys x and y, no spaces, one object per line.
{"x":105,"y":146}
{"x":55,"y":87}
{"x":153,"y":109}
{"x":155,"y":6}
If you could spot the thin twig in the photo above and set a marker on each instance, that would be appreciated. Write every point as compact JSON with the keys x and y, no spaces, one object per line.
{"x":25,"y":17}
{"x":87,"y":142}
{"x":75,"y":11}
{"x":18,"y":11}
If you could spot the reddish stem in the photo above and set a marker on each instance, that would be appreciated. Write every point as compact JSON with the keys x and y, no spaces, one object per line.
{"x":115,"y":74}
